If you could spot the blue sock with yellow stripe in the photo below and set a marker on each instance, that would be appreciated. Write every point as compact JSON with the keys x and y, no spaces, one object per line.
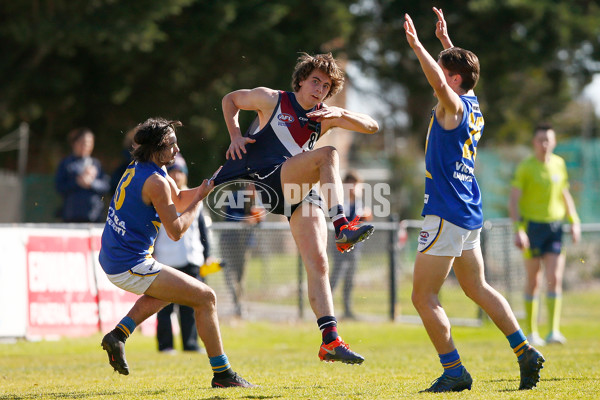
{"x":220,"y":365}
{"x":452,"y":365}
{"x":124,"y":329}
{"x":518,"y":342}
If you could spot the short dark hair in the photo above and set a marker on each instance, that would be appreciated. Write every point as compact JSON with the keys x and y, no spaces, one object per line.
{"x":323,"y":62}
{"x":462,"y":62}
{"x":77,"y":133}
{"x":151,"y":137}
{"x":352,"y":176}
{"x":543,"y":126}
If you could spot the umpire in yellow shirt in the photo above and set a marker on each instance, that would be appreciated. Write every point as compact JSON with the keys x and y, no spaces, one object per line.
{"x":539,"y":201}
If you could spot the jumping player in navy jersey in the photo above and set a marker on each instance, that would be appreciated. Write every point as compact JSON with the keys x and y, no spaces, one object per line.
{"x":280,"y":153}
{"x":450,"y":236}
{"x":146,"y":198}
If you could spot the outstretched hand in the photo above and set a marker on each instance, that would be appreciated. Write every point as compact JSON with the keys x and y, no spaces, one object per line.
{"x":237,"y":147}
{"x":441,"y":28}
{"x":411,"y":32}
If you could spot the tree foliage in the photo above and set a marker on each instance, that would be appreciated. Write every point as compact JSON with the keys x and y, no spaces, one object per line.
{"x":110,"y":64}
{"x":535,"y":55}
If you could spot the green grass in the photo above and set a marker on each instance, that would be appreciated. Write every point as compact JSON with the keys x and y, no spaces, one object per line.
{"x":282,"y":359}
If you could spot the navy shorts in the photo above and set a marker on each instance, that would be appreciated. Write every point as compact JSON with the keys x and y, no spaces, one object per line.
{"x":544,"y":238}
{"x":271,"y":192}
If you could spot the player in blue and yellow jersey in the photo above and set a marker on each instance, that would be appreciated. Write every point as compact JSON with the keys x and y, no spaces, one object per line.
{"x":450,"y":236}
{"x":539,"y":202}
{"x":146,"y":198}
{"x":279,"y":154}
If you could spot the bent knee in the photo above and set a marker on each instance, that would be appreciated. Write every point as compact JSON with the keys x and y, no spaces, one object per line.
{"x":419,"y":300}
{"x":424,"y":300}
{"x":207,"y":298}
{"x":327,"y":155}
{"x":478,"y":292}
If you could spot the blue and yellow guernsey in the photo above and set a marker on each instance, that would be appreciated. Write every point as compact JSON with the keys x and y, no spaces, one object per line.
{"x":131,"y":226}
{"x":451,"y":190}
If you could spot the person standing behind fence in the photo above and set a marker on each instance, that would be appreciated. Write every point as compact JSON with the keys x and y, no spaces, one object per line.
{"x":81,"y":181}
{"x":237,"y":241}
{"x":186,"y":255}
{"x":344,"y":264}
{"x":539,"y":201}
{"x":126,"y":159}
{"x":450,"y":237}
{"x":146,"y":199}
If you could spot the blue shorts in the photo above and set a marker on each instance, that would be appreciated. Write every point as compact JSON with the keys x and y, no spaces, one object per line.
{"x":544,"y":238}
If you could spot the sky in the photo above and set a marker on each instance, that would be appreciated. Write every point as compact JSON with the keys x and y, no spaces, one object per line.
{"x":592,"y":92}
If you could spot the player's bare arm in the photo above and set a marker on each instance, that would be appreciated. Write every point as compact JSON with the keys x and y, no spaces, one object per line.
{"x":157,"y":191}
{"x":332,"y":117}
{"x":450,"y":108}
{"x":441,"y":29}
{"x":182,"y":199}
{"x":262,"y":100}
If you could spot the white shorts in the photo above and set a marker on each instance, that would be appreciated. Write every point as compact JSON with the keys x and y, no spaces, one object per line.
{"x":139,"y":278}
{"x":439,"y":237}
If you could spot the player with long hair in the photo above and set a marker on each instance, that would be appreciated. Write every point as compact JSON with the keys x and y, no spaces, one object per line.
{"x":146,"y":198}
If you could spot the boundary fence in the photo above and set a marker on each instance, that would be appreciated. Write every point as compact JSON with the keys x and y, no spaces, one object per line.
{"x":275,"y":287}
{"x":51,"y":283}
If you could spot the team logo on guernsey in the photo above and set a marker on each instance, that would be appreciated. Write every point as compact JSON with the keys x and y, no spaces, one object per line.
{"x":233,"y":200}
{"x":285,"y":119}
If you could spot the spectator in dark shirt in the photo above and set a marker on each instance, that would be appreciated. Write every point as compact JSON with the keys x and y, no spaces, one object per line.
{"x":81,"y":181}
{"x":126,"y":159}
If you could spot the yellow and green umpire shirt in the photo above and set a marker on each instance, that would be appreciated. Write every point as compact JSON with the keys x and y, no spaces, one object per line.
{"x":541,"y":186}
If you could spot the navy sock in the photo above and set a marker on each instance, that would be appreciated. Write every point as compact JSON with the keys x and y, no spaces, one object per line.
{"x":336,"y":213}
{"x":328,"y":327}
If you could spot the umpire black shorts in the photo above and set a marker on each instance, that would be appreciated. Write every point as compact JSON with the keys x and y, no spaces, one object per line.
{"x":544,"y":238}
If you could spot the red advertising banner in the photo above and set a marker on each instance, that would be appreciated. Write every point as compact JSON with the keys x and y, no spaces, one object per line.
{"x":68,"y":292}
{"x":62,"y":296}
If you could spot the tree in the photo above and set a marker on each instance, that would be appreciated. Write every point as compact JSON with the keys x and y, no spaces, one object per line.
{"x":536,"y":56}
{"x":109,"y":64}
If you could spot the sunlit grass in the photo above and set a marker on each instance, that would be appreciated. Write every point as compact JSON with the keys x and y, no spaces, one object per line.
{"x":282,"y":359}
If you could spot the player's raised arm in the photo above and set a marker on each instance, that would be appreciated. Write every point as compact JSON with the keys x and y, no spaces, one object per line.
{"x":332,"y":117}
{"x":441,"y":29}
{"x":261,"y":99}
{"x":448,"y":98}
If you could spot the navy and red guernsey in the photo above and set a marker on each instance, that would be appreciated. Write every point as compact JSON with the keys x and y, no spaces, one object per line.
{"x":288,"y":132}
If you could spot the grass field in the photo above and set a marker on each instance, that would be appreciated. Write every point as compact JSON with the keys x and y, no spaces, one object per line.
{"x":282,"y":359}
